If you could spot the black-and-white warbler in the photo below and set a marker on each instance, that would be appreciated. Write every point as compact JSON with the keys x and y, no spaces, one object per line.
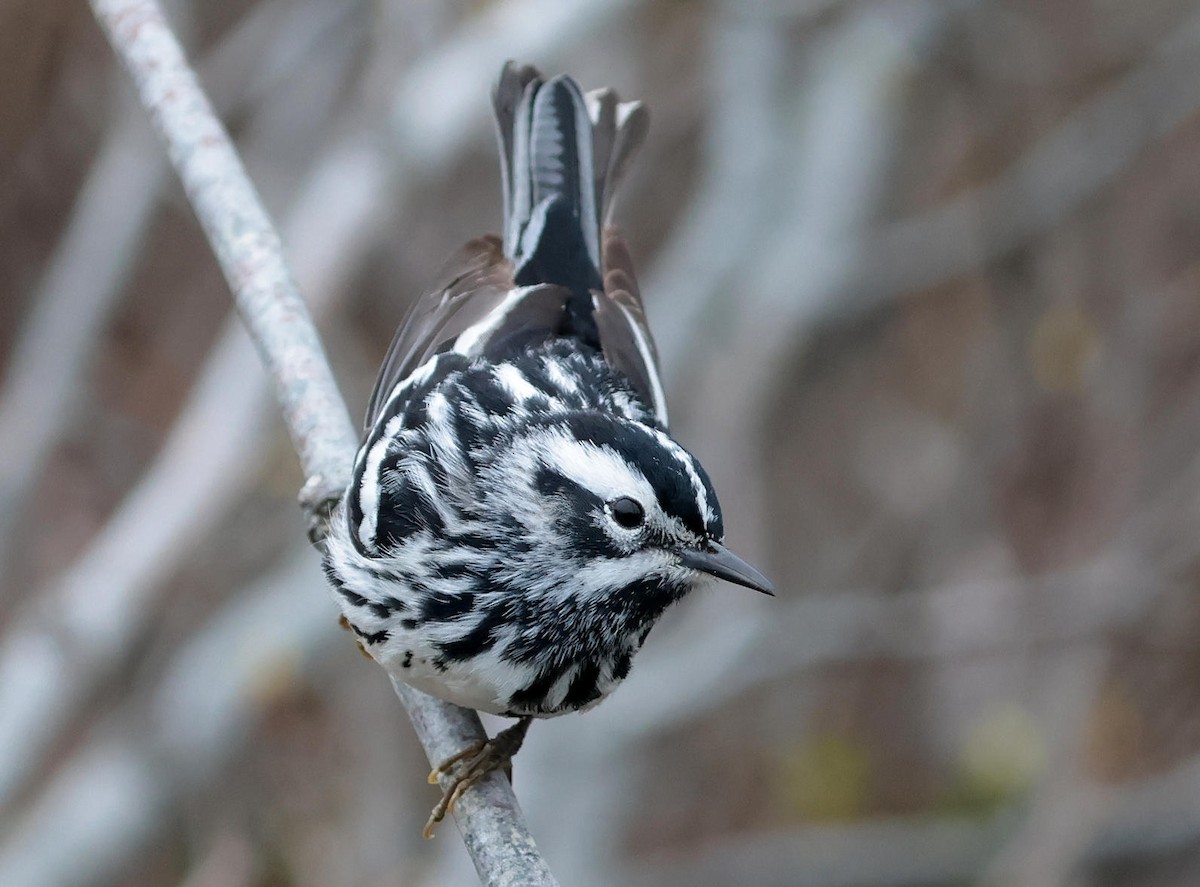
{"x":519,"y":517}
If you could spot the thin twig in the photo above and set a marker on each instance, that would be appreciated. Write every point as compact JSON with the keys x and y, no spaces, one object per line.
{"x":240,"y":233}
{"x":249,"y":251}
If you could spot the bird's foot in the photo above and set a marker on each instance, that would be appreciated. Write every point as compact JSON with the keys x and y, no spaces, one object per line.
{"x":470,"y":765}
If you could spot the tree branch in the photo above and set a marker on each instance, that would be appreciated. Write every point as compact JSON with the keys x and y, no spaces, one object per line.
{"x":68,"y":637}
{"x":240,"y":233}
{"x":250,"y":254}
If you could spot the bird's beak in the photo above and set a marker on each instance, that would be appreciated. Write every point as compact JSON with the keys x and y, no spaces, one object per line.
{"x":719,"y":561}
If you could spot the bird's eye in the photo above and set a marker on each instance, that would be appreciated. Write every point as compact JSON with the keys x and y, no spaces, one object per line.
{"x":627,"y":512}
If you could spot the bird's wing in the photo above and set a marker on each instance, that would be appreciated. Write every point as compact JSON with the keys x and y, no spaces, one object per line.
{"x":473,"y":308}
{"x":625,"y":337}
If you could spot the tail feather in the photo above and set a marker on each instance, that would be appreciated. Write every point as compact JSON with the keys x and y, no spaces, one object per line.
{"x":563,"y":156}
{"x":618,"y":130}
{"x":561,"y":165}
{"x":510,"y":102}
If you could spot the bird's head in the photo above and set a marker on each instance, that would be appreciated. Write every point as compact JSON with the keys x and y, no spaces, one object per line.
{"x":624,"y":503}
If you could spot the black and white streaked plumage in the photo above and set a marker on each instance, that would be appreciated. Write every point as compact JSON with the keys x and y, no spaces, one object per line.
{"x":519,"y":517}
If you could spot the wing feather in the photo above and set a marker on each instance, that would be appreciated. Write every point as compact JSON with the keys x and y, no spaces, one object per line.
{"x":625,"y":337}
{"x":474,"y":308}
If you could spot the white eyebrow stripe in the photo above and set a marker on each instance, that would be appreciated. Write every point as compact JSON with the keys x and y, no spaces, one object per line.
{"x":684,"y":458}
{"x":597,"y":469}
{"x":601,"y":470}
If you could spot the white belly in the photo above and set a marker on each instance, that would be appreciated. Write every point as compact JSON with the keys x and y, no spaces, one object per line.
{"x":485,"y":682}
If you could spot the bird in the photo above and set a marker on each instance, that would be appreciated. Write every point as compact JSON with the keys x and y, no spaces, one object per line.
{"x":519,"y":515}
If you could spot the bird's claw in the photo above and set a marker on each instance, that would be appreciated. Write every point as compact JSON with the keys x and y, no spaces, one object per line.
{"x":446,"y":766}
{"x":470,"y":765}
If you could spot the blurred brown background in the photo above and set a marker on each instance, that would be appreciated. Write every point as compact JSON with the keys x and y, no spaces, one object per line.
{"x":926,"y":281}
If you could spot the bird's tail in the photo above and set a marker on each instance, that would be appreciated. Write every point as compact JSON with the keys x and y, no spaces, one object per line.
{"x":563,"y":155}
